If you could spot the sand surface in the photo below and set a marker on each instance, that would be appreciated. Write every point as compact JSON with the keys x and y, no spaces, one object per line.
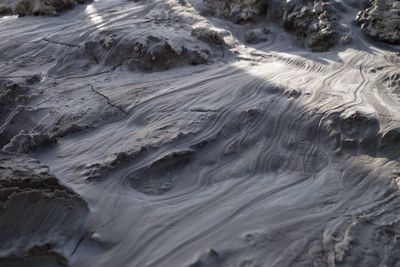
{"x":195,"y":148}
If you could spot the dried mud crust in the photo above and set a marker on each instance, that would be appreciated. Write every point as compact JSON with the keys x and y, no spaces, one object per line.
{"x":26,"y":125}
{"x":13,"y":98}
{"x":236,"y":10}
{"x":209,"y":36}
{"x":146,"y":52}
{"x":381,"y":20}
{"x":36,"y":7}
{"x":314,"y":22}
{"x":38,"y":215}
{"x":9,"y":93}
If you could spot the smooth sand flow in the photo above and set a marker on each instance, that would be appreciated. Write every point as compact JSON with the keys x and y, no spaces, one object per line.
{"x":203,"y":134}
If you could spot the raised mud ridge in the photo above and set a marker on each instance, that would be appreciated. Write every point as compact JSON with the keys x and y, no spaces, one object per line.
{"x":40,"y":219}
{"x":36,"y":7}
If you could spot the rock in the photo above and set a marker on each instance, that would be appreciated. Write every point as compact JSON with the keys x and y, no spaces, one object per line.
{"x":381,"y":20}
{"x":314,"y":22}
{"x":236,"y":10}
{"x":38,"y":215}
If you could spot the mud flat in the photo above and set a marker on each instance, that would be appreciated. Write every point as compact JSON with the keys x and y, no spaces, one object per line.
{"x":200,"y":133}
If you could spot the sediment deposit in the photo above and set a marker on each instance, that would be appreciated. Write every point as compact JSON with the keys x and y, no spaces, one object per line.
{"x":201,"y":133}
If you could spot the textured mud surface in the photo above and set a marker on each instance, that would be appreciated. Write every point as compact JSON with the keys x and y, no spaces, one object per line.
{"x":36,"y":7}
{"x":382,"y":20}
{"x":314,"y":22}
{"x":237,"y":10}
{"x":39,"y":217}
{"x":201,"y":133}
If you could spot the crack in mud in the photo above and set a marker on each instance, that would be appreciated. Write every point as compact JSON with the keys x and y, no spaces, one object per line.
{"x":108,"y":100}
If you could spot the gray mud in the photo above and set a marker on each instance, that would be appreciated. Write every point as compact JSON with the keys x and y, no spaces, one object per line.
{"x":202,"y":134}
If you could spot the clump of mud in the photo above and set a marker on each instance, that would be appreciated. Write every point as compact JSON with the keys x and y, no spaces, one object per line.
{"x":17,"y":125}
{"x":382,"y":20}
{"x":38,"y":215}
{"x":24,"y":142}
{"x":6,"y":7}
{"x":237,"y":10}
{"x":210,"y":258}
{"x":209,"y":36}
{"x":314,"y":22}
{"x":9,"y":97}
{"x":36,"y":7}
{"x":256,"y":36}
{"x":355,"y":131}
{"x":154,"y":52}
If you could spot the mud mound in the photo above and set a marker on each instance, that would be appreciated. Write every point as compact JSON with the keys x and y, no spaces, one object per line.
{"x":153,"y":52}
{"x":314,"y":22}
{"x":382,"y":20}
{"x":207,"y":35}
{"x":354,"y":131}
{"x":36,"y":7}
{"x":13,"y":97}
{"x":6,"y":7}
{"x":50,"y":216}
{"x":237,"y":10}
{"x":256,"y":36}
